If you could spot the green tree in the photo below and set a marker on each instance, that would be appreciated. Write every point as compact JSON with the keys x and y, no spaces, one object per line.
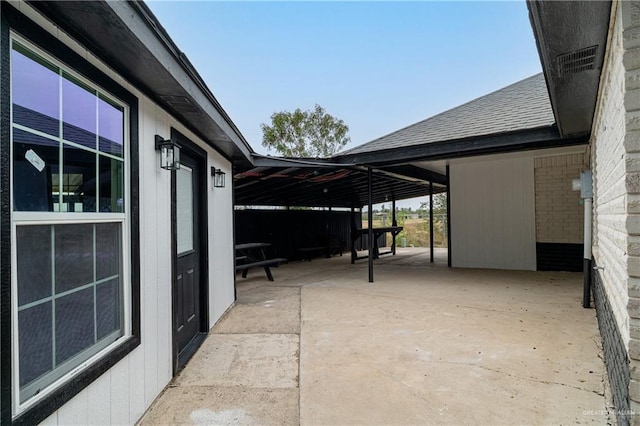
{"x":313,"y":133}
{"x":439,"y":204}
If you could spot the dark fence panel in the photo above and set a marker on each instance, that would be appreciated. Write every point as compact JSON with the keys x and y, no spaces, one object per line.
{"x":289,"y":230}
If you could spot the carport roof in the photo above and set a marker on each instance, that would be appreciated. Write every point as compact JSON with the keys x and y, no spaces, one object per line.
{"x":317,"y":183}
{"x":521,"y":106}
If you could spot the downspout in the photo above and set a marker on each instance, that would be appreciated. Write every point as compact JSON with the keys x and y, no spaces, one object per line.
{"x":585,"y":185}
{"x":586,"y":263}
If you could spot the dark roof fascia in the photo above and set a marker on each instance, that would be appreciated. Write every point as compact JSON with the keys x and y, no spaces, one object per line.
{"x":136,"y":25}
{"x":258,"y":160}
{"x":532,"y":139}
{"x":534,"y":19}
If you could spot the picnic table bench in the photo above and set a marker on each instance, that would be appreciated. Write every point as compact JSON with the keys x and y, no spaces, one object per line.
{"x":326,"y":246}
{"x":253,"y":255}
{"x":377,"y":232}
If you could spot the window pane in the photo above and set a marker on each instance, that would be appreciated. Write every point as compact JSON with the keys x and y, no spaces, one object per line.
{"x":78,"y":113}
{"x":110,"y":127}
{"x":184,"y":209}
{"x":111,"y":185}
{"x":35,"y":93}
{"x":74,"y":256}
{"x":74,"y":324}
{"x":78,"y":180}
{"x":35,"y":170}
{"x":108,"y":246}
{"x":33,"y":245}
{"x":36,"y":347}
{"x":108,"y":308}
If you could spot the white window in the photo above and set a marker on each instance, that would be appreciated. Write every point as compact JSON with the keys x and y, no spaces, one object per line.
{"x":71,"y":294}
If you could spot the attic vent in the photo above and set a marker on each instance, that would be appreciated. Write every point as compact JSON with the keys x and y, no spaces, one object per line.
{"x":576,"y":61}
{"x":179,"y":103}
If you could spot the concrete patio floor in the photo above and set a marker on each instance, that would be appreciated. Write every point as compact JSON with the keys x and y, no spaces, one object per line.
{"x":423,"y":344}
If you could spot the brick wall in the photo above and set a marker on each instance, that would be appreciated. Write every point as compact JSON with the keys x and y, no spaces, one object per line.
{"x":559,"y":215}
{"x":608,"y":166}
{"x":615,"y":353}
{"x":631,"y":166}
{"x":615,"y":148}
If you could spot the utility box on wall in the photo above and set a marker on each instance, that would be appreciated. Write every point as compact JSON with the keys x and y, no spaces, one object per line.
{"x":586,"y":184}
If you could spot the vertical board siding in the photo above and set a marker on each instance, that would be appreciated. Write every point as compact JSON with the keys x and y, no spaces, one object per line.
{"x":161,"y":241}
{"x":122,"y":394}
{"x":149,"y":183}
{"x":137,"y":404}
{"x":221,"y":244}
{"x":76,"y":411}
{"x":493,"y":214}
{"x":98,"y":398}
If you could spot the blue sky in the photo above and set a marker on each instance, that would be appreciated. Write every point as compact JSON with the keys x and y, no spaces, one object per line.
{"x":379,"y":66}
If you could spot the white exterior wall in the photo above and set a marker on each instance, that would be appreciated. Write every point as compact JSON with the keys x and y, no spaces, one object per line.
{"x":122,"y":394}
{"x":608,"y":166}
{"x":493,"y":214}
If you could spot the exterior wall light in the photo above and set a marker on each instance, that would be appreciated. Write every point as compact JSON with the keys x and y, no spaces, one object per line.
{"x":169,"y":153}
{"x":218,"y":177}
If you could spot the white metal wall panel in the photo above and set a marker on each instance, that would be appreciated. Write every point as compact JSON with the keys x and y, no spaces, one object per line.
{"x":493,"y":214}
{"x":98,"y":399}
{"x":221,"y":244}
{"x":153,"y":184}
{"x":121,"y":395}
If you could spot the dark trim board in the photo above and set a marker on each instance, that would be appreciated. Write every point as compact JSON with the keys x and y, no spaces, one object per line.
{"x":5,"y":224}
{"x":12,"y":19}
{"x":559,"y":257}
{"x":532,"y":139}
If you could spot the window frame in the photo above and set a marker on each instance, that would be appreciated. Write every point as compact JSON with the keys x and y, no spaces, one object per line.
{"x":15,"y":25}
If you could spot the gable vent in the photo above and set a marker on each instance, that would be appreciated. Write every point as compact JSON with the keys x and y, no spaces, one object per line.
{"x":576,"y":61}
{"x":179,"y":103}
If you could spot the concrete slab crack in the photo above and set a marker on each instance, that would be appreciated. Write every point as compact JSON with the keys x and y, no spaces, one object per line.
{"x":530,"y":379}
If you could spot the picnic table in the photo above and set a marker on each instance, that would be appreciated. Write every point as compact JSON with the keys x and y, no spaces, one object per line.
{"x":377,"y":232}
{"x":251,"y":255}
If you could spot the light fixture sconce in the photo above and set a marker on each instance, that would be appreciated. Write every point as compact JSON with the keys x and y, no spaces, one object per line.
{"x":169,"y":153}
{"x":218,"y":177}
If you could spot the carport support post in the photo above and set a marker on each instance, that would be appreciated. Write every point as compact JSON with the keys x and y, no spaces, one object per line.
{"x":329,"y":229}
{"x":394,"y":222}
{"x":448,"y":217}
{"x":370,"y":221}
{"x":431,"y":221}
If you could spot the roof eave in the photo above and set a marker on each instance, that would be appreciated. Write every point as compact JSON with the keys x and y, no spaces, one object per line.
{"x":563,"y":28}
{"x":128,"y":37}
{"x":526,"y":140}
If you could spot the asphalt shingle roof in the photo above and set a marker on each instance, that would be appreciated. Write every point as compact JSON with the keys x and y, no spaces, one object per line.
{"x":520,"y":106}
